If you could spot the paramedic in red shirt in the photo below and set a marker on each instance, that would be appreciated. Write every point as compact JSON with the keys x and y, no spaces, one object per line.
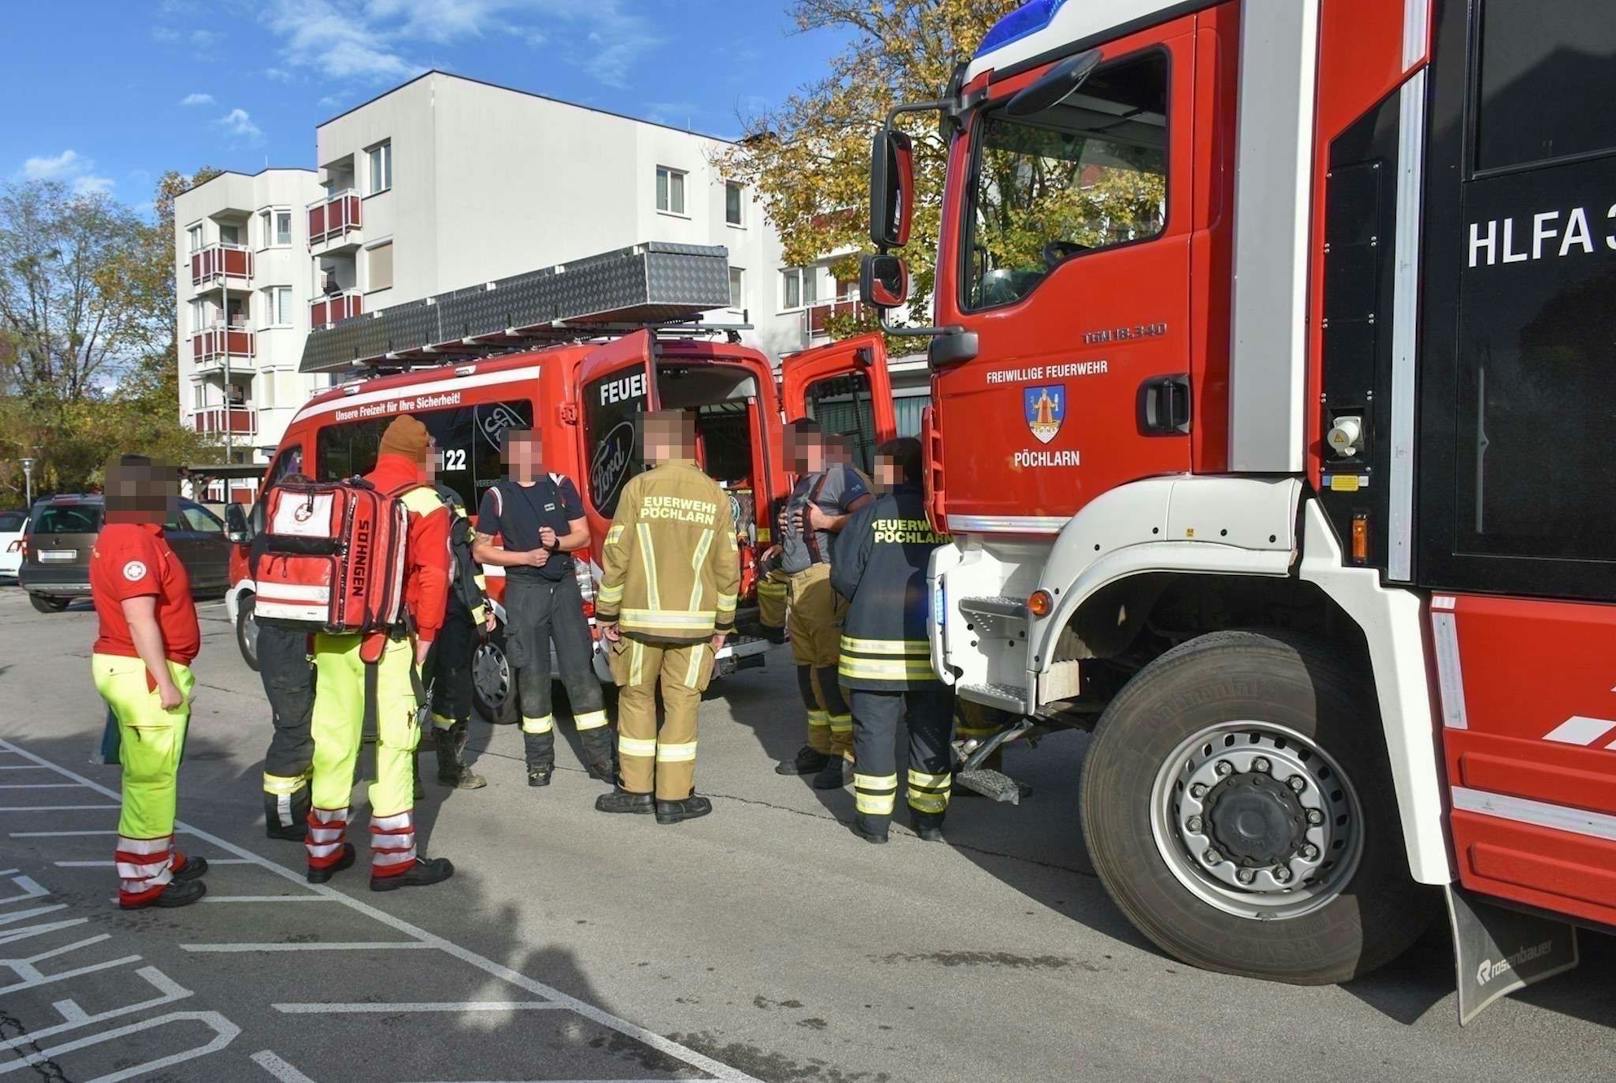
{"x":341,"y":700}
{"x":142,"y":667}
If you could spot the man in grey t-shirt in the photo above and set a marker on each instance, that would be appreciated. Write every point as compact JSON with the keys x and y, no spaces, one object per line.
{"x":825,"y":496}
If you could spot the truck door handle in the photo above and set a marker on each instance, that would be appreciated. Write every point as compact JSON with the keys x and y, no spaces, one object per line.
{"x":1164,"y":405}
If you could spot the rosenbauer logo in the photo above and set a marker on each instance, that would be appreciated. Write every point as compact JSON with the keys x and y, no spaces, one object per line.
{"x":1488,"y":970}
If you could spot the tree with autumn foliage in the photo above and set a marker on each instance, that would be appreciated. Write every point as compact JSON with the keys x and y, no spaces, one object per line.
{"x":88,"y":350}
{"x":809,"y":159}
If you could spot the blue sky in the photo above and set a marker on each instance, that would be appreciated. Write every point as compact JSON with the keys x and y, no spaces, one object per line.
{"x":107,"y":94}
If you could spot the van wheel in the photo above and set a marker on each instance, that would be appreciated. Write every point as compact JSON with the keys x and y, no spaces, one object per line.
{"x":46,"y":604}
{"x":493,"y":683}
{"x":1239,"y":810}
{"x":247,"y":631}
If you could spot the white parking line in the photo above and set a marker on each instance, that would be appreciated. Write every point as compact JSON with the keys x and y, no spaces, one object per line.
{"x":716,"y":1069}
{"x":112,"y":864}
{"x":432,"y":1006}
{"x":313,"y":945}
{"x":57,"y":808}
{"x":39,"y":785}
{"x":278,"y":1068}
{"x":263,"y":898}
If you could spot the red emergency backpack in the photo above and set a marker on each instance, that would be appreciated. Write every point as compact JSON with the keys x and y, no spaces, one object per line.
{"x":333,"y":556}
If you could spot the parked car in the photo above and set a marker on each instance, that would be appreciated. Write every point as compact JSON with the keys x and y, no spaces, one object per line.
{"x":12,"y":524}
{"x":61,"y":532}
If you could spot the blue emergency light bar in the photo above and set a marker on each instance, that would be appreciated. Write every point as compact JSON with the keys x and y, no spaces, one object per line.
{"x":1027,"y":19}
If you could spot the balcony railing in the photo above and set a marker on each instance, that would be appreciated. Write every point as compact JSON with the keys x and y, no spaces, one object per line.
{"x":816,"y":318}
{"x":220,"y":263}
{"x":236,"y":420}
{"x":333,"y":217}
{"x":334,"y":307}
{"x":211,"y":345}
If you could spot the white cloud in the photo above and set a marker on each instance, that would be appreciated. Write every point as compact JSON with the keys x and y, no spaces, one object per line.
{"x":197,"y":98}
{"x":69,"y":167}
{"x":238,"y":124}
{"x":279,"y":75}
{"x":376,"y":40}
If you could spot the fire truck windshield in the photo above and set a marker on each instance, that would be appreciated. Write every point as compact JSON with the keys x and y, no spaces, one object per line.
{"x":1086,"y":174}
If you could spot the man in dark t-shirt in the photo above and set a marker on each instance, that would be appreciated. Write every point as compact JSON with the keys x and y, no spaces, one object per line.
{"x":531,"y":524}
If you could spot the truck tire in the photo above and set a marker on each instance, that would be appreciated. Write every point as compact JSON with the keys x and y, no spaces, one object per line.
{"x":493,"y":683}
{"x":46,"y":604}
{"x":247,"y":631}
{"x":1239,"y":809}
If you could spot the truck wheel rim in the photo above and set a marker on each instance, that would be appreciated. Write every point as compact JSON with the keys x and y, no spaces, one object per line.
{"x":1256,"y":820}
{"x":492,"y":673}
{"x":249,"y":632}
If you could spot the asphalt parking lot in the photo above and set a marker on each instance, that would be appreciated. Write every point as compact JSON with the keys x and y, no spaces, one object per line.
{"x":763,"y":942}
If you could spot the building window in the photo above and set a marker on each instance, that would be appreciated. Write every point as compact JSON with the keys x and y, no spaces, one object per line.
{"x":193,"y":237}
{"x":737,"y":288}
{"x":199,"y":397}
{"x":283,"y":227}
{"x":278,"y":306}
{"x":266,"y":390}
{"x":199,"y":315}
{"x":229,"y":233}
{"x":734,"y":204}
{"x":380,"y":160}
{"x":379,"y":267}
{"x":799,"y":287}
{"x":670,"y":190}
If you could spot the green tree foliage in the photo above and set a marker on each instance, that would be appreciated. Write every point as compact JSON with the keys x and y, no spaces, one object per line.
{"x":809,"y":159}
{"x":88,"y":356}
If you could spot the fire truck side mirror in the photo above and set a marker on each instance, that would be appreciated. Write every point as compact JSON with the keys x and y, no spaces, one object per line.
{"x":235,"y":524}
{"x":892,"y":188}
{"x":883,"y":280}
{"x":1055,"y":85}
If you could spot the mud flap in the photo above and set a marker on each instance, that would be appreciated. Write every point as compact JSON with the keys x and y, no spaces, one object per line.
{"x":1498,"y":951}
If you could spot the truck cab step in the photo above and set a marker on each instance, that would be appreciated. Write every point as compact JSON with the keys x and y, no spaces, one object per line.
{"x":995,"y":785}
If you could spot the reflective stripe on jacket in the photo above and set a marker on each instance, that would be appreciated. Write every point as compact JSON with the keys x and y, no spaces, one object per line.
{"x":879,"y":565}
{"x":671,"y":570}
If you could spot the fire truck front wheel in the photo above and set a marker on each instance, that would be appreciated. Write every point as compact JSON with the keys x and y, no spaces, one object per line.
{"x":1238,"y":808}
{"x":493,"y":682}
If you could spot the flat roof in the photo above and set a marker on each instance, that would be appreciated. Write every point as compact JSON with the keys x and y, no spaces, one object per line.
{"x":524,"y":93}
{"x":249,"y":176}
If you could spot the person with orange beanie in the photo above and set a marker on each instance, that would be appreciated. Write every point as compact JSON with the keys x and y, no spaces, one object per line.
{"x":359,"y":675}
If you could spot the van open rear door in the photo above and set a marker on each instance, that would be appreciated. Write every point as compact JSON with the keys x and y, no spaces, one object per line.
{"x":844,"y":387}
{"x":616,"y":386}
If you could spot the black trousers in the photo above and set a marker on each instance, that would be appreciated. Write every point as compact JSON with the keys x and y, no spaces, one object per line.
{"x":449,"y":666}
{"x":537,"y":613}
{"x":288,"y":676}
{"x":928,"y":712}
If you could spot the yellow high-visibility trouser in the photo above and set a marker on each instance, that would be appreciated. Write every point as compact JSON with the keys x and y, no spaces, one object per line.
{"x":668,"y":758}
{"x":150,"y":741}
{"x":338,"y":724}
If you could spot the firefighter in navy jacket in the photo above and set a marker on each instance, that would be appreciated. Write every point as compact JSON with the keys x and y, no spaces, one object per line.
{"x":879,"y":566}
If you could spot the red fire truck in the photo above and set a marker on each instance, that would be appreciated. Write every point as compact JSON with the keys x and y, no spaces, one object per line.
{"x":1272,"y":421}
{"x":586,"y":399}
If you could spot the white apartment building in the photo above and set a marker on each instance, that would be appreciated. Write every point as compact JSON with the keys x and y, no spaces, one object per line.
{"x":440,"y":183}
{"x":242,"y":284}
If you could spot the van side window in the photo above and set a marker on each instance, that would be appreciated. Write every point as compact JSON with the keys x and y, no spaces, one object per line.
{"x":1534,"y":52}
{"x":843,"y":407}
{"x":467,"y":438}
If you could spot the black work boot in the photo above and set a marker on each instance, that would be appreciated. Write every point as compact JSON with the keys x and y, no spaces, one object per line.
{"x":425,"y":872}
{"x":832,"y":776}
{"x":623,"y":801}
{"x":772,"y":634}
{"x":672,"y":812}
{"x":597,"y":749}
{"x":275,"y":825}
{"x":927,"y":825}
{"x":540,"y":751}
{"x":452,"y":769}
{"x":195,"y":868}
{"x":321,"y":876}
{"x":871,"y":828}
{"x":808,"y":761}
{"x":175,"y":893}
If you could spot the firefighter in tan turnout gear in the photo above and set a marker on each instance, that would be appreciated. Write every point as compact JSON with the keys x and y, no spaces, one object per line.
{"x":666,"y":603}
